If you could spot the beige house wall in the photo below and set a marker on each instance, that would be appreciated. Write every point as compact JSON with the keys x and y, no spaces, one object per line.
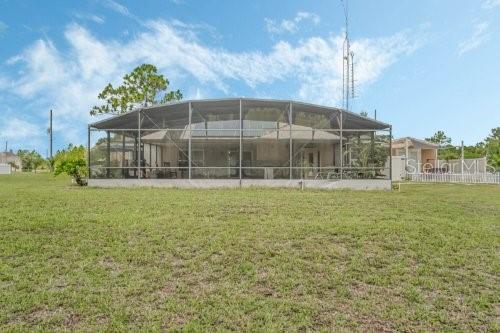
{"x":214,"y":158}
{"x":418,"y":158}
{"x":267,"y":150}
{"x":428,"y":159}
{"x":271,"y":150}
{"x":169,"y":153}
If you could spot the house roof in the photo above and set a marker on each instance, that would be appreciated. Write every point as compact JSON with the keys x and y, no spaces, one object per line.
{"x":413,"y":143}
{"x":176,"y":117}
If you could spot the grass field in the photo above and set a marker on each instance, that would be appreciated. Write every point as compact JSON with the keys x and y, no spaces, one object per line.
{"x":425,"y":258}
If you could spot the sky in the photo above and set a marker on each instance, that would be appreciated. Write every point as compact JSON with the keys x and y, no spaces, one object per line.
{"x":424,"y":65}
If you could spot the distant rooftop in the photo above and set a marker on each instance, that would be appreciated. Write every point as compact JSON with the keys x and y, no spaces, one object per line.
{"x":413,"y":143}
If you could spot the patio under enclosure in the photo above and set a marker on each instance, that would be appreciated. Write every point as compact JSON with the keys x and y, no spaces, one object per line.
{"x":238,"y":142}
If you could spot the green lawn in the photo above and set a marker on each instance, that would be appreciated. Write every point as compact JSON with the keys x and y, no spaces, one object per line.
{"x":71,"y":258}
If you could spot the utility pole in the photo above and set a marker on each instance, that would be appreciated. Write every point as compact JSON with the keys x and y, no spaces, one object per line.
{"x":6,"y":145}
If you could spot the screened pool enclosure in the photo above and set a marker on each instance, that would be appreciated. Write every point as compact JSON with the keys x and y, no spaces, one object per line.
{"x":237,"y":140}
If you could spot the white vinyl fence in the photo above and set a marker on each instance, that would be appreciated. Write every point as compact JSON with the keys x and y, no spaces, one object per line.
{"x":5,"y":169}
{"x":468,"y":165}
{"x":479,"y":178}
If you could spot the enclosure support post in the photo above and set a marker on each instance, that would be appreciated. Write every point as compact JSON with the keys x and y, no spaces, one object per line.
{"x":189,"y":142}
{"x":436,"y":158}
{"x":406,"y":155}
{"x":139,"y":146}
{"x":88,"y":151}
{"x":341,"y":145}
{"x":462,"y":157}
{"x":390,"y":154}
{"x":241,"y":144}
{"x":290,"y":144}
{"x":123,"y":154}
{"x":50,"y":143}
{"x":108,"y":154}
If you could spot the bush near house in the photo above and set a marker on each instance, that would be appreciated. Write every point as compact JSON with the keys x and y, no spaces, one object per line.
{"x":71,"y":161}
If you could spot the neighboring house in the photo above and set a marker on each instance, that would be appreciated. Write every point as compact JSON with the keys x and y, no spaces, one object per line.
{"x":420,"y":156}
{"x":239,"y":142}
{"x":411,"y":155}
{"x":9,"y":158}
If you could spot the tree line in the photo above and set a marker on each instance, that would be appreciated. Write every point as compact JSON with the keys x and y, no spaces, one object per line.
{"x":30,"y":160}
{"x":489,"y":148}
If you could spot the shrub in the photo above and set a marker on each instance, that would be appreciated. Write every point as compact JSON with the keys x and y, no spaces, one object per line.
{"x":72,"y":162}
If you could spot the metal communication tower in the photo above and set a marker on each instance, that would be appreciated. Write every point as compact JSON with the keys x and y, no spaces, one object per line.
{"x":347,"y":62}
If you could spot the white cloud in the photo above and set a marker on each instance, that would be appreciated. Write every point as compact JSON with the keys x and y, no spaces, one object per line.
{"x":291,"y":25}
{"x":307,"y":16}
{"x":18,"y":129}
{"x":93,"y":58}
{"x":314,"y":64}
{"x":117,"y":7}
{"x":192,"y":29}
{"x":490,"y":4}
{"x":90,"y":17}
{"x":42,"y":68}
{"x":69,"y":81}
{"x":3,"y":83}
{"x":196,"y":93}
{"x":121,"y":9}
{"x":3,"y":28}
{"x":479,"y":36}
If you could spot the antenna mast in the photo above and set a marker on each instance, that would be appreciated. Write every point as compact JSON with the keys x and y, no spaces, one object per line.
{"x":347,"y":62}
{"x":352,"y":75}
